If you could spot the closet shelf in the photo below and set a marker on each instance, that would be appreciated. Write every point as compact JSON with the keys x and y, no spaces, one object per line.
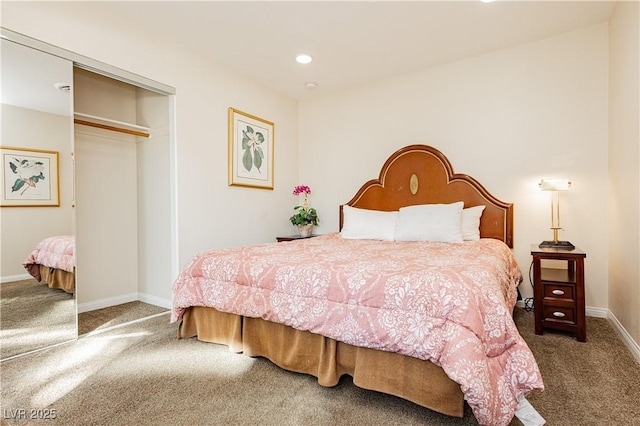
{"x":108,"y":124}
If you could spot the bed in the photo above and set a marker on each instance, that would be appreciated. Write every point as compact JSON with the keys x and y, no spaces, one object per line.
{"x":407,"y":318}
{"x":53,"y":261}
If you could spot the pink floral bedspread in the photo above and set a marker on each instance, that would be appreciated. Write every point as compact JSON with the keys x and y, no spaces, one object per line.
{"x":55,"y":252}
{"x":447,"y":303}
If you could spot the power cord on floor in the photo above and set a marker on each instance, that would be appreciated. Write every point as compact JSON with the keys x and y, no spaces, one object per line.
{"x":528,"y":302}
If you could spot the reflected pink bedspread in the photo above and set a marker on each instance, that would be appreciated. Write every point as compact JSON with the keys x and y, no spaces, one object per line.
{"x":447,"y":303}
{"x":55,"y":252}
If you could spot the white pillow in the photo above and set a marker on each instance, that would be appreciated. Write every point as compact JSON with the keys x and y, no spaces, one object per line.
{"x":471,"y":223}
{"x":364,"y":224}
{"x":430,"y":222}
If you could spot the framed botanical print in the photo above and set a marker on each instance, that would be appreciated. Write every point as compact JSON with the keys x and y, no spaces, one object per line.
{"x":251,"y":141}
{"x":30,"y":177}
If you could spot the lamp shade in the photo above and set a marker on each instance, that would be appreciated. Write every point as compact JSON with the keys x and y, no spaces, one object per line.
{"x":554,"y":184}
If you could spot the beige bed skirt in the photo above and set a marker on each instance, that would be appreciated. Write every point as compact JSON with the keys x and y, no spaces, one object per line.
{"x":421,"y":382}
{"x":57,"y":278}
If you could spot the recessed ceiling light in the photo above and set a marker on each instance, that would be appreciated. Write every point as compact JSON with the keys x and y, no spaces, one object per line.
{"x":311,"y":85}
{"x":487,"y":1}
{"x":303,"y":59}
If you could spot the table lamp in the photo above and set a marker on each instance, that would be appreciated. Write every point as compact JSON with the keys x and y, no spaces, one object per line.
{"x":555,"y":186}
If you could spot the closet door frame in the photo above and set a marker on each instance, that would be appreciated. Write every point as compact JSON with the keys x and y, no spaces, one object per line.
{"x":89,"y":64}
{"x":116,"y":73}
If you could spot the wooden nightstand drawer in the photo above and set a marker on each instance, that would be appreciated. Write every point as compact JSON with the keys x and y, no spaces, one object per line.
{"x":559,"y":291}
{"x":562,"y":314}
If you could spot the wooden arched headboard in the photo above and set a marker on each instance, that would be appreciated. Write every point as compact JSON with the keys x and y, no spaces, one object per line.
{"x":420,"y":174}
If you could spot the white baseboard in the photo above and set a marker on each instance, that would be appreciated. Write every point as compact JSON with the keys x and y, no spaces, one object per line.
{"x":125,"y":298}
{"x":625,"y":336}
{"x":155,"y":300}
{"x":105,"y":303}
{"x":591,"y":311}
{"x":12,"y":278}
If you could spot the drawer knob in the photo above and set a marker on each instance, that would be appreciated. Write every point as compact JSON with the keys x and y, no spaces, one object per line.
{"x":558,"y":292}
{"x":558,"y":314}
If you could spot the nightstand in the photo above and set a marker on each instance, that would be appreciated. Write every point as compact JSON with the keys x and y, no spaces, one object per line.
{"x":293,"y":238}
{"x":558,"y":294}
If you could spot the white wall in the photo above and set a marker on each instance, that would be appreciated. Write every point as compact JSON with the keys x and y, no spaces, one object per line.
{"x":123,"y":196}
{"x":210,"y":213}
{"x":154,"y":197}
{"x":106,"y":192}
{"x":507,"y":118}
{"x":624,"y":168}
{"x":106,"y":215}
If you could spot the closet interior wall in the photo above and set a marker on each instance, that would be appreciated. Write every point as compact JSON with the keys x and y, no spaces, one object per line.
{"x":122,"y":195}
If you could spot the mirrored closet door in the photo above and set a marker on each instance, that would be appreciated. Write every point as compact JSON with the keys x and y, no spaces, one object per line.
{"x":37,"y":200}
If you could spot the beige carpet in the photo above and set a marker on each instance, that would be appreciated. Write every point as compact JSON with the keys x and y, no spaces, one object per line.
{"x":142,"y":374}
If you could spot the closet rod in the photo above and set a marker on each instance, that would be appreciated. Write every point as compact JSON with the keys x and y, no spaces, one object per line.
{"x":107,"y":124}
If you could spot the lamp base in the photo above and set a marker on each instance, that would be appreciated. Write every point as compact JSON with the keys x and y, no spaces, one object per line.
{"x":566,"y":245}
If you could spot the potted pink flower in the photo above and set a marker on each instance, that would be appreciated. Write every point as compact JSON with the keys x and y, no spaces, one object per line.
{"x":305,"y":217}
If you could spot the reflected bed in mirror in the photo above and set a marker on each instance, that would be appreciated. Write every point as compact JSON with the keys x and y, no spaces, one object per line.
{"x":54,"y":262}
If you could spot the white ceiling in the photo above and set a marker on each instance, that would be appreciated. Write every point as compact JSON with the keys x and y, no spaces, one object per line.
{"x":352,"y":42}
